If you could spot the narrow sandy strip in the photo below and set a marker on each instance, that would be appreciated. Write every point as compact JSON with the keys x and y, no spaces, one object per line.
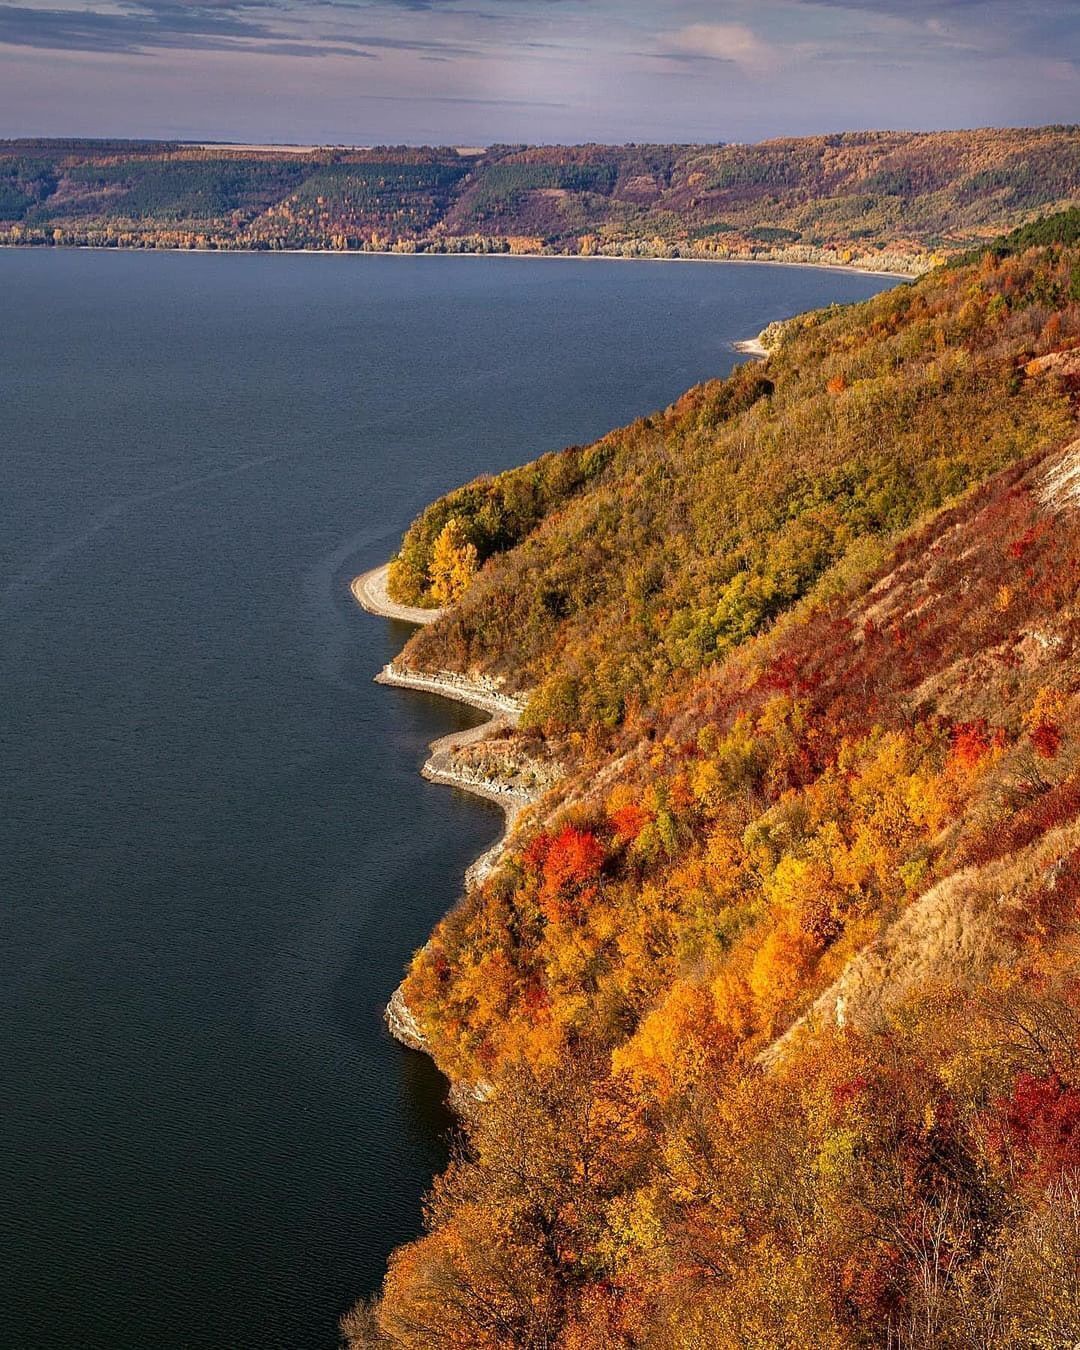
{"x":751,"y":347}
{"x":370,"y":593}
{"x":482,"y":694}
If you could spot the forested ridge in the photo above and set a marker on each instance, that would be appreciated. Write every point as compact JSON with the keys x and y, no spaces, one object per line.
{"x":885,"y":200}
{"x":771,"y":1010}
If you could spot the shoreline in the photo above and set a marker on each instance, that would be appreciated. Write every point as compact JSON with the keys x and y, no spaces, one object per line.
{"x":438,"y":768}
{"x":504,"y":714}
{"x":369,"y":592}
{"x":473,"y":253}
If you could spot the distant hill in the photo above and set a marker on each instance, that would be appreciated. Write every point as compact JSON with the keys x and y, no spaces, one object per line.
{"x":885,"y":200}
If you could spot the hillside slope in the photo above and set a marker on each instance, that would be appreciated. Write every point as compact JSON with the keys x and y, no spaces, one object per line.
{"x":885,"y":200}
{"x":776,"y":997}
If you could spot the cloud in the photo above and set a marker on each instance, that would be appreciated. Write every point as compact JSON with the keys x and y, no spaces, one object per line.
{"x":898,"y":9}
{"x":151,"y":24}
{"x":447,"y":5}
{"x":516,"y":70}
{"x":393,"y":44}
{"x":1032,"y":27}
{"x":731,"y":42}
{"x":281,"y":27}
{"x":419,"y":99}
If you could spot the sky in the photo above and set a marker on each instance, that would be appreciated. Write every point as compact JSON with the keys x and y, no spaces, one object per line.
{"x":476,"y":72}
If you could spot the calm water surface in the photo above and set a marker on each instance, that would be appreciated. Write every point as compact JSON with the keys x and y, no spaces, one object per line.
{"x":216,"y":854}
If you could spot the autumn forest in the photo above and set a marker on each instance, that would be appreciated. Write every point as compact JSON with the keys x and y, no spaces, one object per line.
{"x":765,"y":1028}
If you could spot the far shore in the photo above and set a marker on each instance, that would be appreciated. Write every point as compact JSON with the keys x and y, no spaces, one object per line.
{"x":393,"y":253}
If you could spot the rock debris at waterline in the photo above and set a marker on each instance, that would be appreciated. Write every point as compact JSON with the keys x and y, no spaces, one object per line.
{"x":370,"y":592}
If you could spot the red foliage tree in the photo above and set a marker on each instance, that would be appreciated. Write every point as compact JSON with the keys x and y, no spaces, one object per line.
{"x":572,"y":864}
{"x":1046,"y":738}
{"x":628,"y":822}
{"x":971,"y":741}
{"x":1040,"y":1122}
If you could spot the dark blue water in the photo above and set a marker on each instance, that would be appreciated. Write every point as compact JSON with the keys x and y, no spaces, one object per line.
{"x":216,"y":854}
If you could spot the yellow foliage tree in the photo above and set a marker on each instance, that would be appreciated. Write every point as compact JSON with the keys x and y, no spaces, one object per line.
{"x":672,"y":1046}
{"x":454,"y":563}
{"x":781,"y":966}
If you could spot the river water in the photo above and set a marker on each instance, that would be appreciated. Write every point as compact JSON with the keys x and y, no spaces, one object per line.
{"x":216,"y":854}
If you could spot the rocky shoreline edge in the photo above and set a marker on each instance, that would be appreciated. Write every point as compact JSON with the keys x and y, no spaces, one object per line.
{"x":442,"y":764}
